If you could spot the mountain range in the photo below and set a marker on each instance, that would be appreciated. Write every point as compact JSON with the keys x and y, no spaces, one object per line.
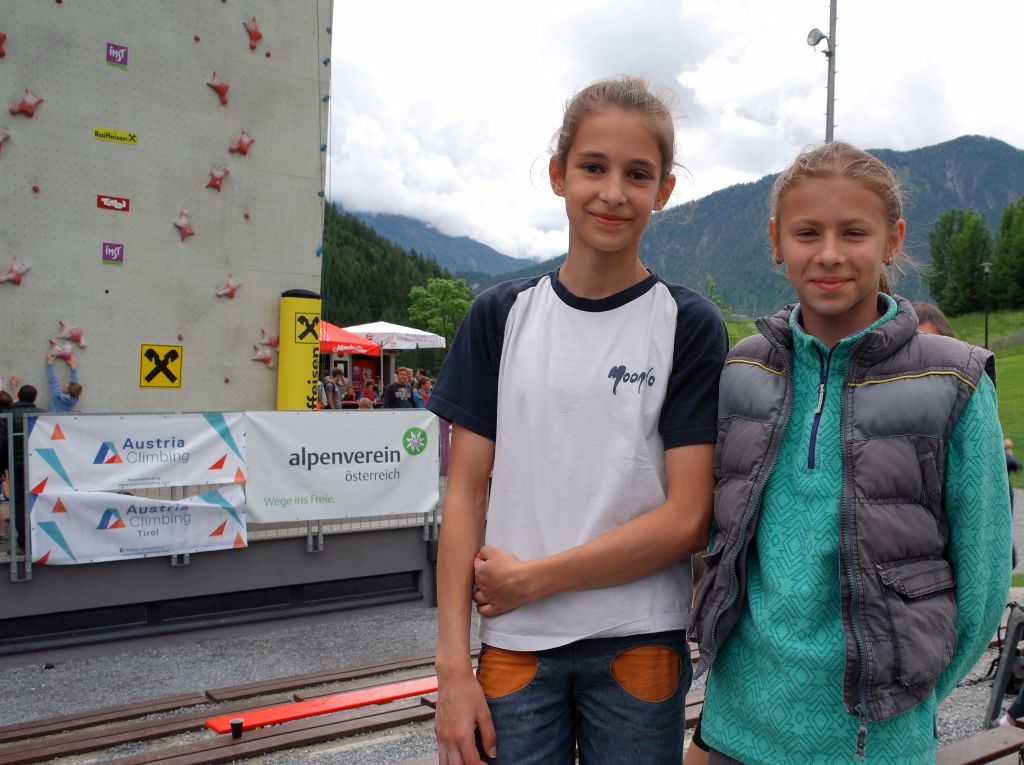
{"x":724,"y":235}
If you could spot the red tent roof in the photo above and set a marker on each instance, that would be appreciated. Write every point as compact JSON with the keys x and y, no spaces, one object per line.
{"x":336,"y":340}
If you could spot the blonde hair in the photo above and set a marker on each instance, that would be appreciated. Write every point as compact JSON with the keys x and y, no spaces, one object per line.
{"x":629,"y":93}
{"x":841,"y":160}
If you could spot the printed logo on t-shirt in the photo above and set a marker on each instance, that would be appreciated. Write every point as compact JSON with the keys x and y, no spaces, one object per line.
{"x":621,"y":374}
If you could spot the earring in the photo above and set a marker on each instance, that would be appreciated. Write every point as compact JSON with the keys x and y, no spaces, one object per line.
{"x":778,"y":260}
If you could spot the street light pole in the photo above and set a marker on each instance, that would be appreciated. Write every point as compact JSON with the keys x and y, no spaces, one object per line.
{"x":987,"y":266}
{"x":814,"y":37}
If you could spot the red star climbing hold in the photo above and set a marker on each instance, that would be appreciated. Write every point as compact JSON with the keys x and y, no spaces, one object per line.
{"x":217,"y":175}
{"x":255,"y":35}
{"x":184,"y":225}
{"x":3,"y":39}
{"x":27,"y":105}
{"x":219,"y":87}
{"x":241,"y":146}
{"x":230,"y":288}
{"x":15,"y":273}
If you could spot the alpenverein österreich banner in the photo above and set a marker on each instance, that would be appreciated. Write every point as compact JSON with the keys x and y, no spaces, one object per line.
{"x":90,"y":527}
{"x":105,"y":452}
{"x":309,"y":466}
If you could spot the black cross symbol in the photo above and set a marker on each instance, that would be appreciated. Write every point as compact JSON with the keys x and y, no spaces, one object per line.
{"x":161,"y":365}
{"x":133,"y":138}
{"x":310,"y":326}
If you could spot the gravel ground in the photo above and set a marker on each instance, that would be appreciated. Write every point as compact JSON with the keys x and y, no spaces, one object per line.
{"x":65,"y":681}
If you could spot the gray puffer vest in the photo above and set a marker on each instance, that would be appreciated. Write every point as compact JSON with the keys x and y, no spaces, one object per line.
{"x":901,"y":398}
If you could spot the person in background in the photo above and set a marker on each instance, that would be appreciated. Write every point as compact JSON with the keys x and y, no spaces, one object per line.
{"x":23,"y":407}
{"x":65,"y":398}
{"x":398,"y":395}
{"x":859,"y":565}
{"x":932,"y":320}
{"x":421,"y":394}
{"x":5,"y":403}
{"x":349,"y":400}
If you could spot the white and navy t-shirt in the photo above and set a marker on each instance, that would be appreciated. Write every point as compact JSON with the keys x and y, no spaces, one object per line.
{"x":582,"y":397}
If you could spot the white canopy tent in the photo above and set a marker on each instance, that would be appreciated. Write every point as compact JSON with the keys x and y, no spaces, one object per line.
{"x":395,"y":337}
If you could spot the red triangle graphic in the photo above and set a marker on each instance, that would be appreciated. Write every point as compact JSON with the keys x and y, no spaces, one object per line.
{"x":115,"y":460}
{"x":118,"y":524}
{"x":219,"y":530}
{"x":58,"y":506}
{"x":239,"y":476}
{"x":239,"y":542}
{"x":219,"y":464}
{"x":58,"y":434}
{"x":42,"y":485}
{"x":42,"y":561}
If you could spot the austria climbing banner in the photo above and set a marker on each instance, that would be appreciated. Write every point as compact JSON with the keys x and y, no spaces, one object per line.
{"x":320,"y":465}
{"x":106,"y":452}
{"x":90,"y":527}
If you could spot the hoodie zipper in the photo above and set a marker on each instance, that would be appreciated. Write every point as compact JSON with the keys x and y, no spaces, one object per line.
{"x":824,"y":364}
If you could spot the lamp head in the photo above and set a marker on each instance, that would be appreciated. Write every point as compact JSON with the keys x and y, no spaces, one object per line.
{"x":815,"y":36}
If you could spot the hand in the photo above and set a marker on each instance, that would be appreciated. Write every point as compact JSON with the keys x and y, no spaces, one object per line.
{"x":73,"y":362}
{"x":15,"y":383}
{"x":49,"y":358}
{"x":461,"y":711}
{"x":502,"y":582}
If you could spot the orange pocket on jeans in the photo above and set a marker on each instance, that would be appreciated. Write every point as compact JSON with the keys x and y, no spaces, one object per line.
{"x":503,"y":672}
{"x":649,"y":672}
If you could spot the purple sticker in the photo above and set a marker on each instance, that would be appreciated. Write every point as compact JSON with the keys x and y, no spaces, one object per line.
{"x":113,"y":253}
{"x":117,"y":55}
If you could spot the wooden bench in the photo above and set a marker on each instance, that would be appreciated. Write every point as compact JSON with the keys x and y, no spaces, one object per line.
{"x":998,"y":745}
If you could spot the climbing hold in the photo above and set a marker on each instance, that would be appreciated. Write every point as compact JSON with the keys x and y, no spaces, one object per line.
{"x":61,"y":350}
{"x":196,"y":38}
{"x":230,"y":287}
{"x":255,"y":35}
{"x":326,"y":98}
{"x":5,"y":134}
{"x":320,"y":251}
{"x":16,"y":272}
{"x":219,"y":87}
{"x":268,"y":54}
{"x":320,"y":193}
{"x":71,"y":332}
{"x":3,"y":39}
{"x":327,"y":61}
{"x":184,"y":225}
{"x":263,"y":356}
{"x":241,"y":146}
{"x":270,"y":339}
{"x":217,"y":175}
{"x":245,"y":215}
{"x":180,"y":337}
{"x":27,"y":105}
{"x":35,"y":189}
{"x":323,"y":147}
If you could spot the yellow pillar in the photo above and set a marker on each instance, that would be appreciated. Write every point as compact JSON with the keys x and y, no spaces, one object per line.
{"x":299,"y":356}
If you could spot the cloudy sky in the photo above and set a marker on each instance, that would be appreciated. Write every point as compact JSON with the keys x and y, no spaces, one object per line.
{"x":444,"y":110}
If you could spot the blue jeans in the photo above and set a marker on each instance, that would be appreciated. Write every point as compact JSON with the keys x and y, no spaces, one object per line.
{"x":620,"y":701}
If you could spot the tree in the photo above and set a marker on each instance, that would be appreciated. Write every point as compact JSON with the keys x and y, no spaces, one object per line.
{"x":440,"y":306}
{"x":1008,"y":270}
{"x":711,"y":293}
{"x":959,"y":244}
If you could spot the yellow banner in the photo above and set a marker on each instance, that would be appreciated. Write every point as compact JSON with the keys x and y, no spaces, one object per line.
{"x":299,"y":355}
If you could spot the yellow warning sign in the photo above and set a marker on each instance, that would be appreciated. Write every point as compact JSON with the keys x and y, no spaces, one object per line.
{"x":307,"y":328}
{"x":160,"y":366}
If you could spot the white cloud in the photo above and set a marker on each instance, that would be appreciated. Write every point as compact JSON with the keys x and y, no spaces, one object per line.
{"x":444,"y":111}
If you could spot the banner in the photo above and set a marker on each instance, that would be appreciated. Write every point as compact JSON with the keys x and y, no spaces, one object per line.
{"x":299,"y":350}
{"x":106,"y":451}
{"x":308,"y":466}
{"x":80,"y":527}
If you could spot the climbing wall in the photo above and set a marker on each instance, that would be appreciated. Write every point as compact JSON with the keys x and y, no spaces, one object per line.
{"x":161,"y":175}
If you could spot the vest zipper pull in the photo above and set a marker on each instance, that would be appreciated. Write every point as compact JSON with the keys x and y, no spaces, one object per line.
{"x":821,"y":398}
{"x":862,"y":740}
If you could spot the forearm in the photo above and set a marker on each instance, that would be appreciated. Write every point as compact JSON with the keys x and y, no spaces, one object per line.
{"x":465,"y":508}
{"x":649,"y":542}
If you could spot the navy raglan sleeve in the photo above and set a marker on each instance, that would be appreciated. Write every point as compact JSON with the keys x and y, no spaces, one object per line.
{"x":690,"y":413}
{"x":466,"y":391}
